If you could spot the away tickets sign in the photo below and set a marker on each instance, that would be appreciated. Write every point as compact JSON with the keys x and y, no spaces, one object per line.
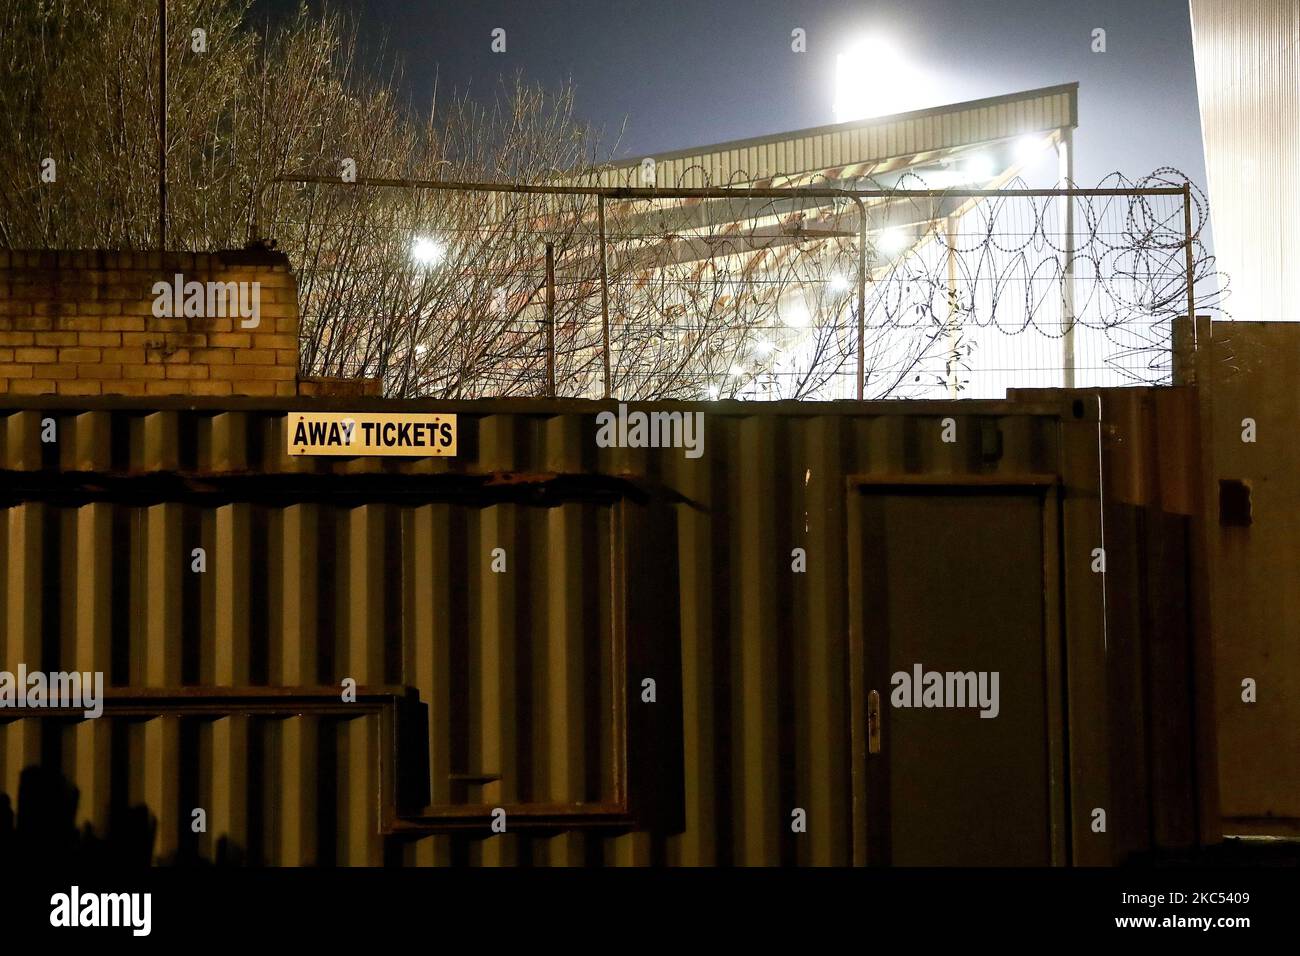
{"x":365,"y":433}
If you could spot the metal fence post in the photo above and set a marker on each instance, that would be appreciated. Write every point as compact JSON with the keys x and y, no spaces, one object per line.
{"x":1191,"y":262}
{"x":550,"y":319}
{"x":862,"y":297}
{"x":604,"y":291}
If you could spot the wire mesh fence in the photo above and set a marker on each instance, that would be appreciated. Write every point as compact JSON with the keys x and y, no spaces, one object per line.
{"x":824,"y":292}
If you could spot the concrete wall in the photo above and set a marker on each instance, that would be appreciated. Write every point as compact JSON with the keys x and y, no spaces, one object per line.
{"x":1250,"y":370}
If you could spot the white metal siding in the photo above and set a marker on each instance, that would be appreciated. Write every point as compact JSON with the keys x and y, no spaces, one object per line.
{"x":873,"y":140}
{"x":1248,"y":75}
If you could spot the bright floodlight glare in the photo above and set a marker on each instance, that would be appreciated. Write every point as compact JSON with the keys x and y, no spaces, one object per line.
{"x":893,"y":241}
{"x":713,"y":392}
{"x":796,"y":314}
{"x":873,"y":78}
{"x":737,"y":371}
{"x":427,"y":252}
{"x":979,"y":168}
{"x":839,"y":283}
{"x":1027,"y":147}
{"x":763,"y":348}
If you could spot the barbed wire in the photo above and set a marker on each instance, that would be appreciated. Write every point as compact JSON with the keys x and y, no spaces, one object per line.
{"x":712,"y":297}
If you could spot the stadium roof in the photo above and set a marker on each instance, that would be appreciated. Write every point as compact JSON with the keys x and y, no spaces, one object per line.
{"x":873,"y":147}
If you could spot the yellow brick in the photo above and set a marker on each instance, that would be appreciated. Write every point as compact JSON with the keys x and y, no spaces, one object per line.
{"x":234,"y":340}
{"x":254,"y":357}
{"x":123,"y":324}
{"x":146,"y":340}
{"x":210,"y":388}
{"x":60,"y":371}
{"x":213,"y":356}
{"x":79,"y":355}
{"x":36,"y":355}
{"x":167,"y":356}
{"x":286,"y":357}
{"x":100,"y":339}
{"x":16,"y":338}
{"x":120,"y":387}
{"x":286,"y":389}
{"x":253,"y":388}
{"x":98,"y":370}
{"x":152,"y":324}
{"x":187,"y":371}
{"x":77,"y":387}
{"x":212,"y":325}
{"x":32,"y":386}
{"x":275,"y":373}
{"x":33,"y":291}
{"x":85,"y":308}
{"x":143,"y":371}
{"x":76,"y":323}
{"x":166,"y":388}
{"x":272,"y":341}
{"x":184,"y":340}
{"x":15,"y":371}
{"x":33,"y":323}
{"x":125,"y":356}
{"x":278,"y":310}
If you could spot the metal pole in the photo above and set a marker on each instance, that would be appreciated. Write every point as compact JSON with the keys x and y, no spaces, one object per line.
{"x":604,"y":291}
{"x":862,"y":298}
{"x":1191,"y":262}
{"x":954,"y":335}
{"x":1066,"y":149}
{"x":712,"y":192}
{"x":162,"y":125}
{"x":550,"y":319}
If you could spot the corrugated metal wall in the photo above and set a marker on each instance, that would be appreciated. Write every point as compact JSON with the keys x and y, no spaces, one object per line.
{"x":480,"y":688}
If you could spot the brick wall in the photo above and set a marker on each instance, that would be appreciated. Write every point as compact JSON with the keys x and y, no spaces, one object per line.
{"x":83,"y":323}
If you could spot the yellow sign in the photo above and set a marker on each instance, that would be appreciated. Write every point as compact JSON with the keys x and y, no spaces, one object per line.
{"x":367,"y":433}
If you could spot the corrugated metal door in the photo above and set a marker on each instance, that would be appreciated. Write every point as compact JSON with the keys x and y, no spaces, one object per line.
{"x":955,"y":590}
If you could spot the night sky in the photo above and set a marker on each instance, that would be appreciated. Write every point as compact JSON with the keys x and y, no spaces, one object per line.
{"x":689,"y":72}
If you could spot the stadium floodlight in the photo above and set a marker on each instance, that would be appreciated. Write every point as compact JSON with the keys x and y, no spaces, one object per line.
{"x":979,"y":168}
{"x":873,"y":78}
{"x":427,"y":252}
{"x":795,"y":314}
{"x":892,"y":241}
{"x":1027,"y":147}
